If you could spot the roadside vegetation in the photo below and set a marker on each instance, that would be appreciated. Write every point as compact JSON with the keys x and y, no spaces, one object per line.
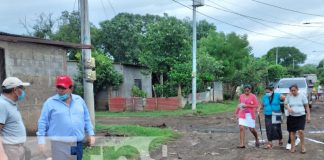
{"x":131,"y":140}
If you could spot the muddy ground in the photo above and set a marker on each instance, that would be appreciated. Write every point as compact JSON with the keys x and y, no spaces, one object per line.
{"x":216,"y":137}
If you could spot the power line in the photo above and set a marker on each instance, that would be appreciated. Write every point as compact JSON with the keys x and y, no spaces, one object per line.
{"x":112,"y":7}
{"x":260,"y":19}
{"x":287,"y":9}
{"x":272,"y":27}
{"x":104,"y":8}
{"x":259,"y":33}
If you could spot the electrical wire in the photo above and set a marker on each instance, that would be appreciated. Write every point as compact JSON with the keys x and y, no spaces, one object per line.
{"x":112,"y":7}
{"x":287,"y":9}
{"x":260,"y":19}
{"x":259,"y":33}
{"x":291,"y":34}
{"x":104,"y":8}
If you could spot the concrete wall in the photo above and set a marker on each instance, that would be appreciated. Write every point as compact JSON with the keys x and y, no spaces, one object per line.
{"x":39,"y":65}
{"x":214,"y":95}
{"x":129,"y":74}
{"x":72,"y":68}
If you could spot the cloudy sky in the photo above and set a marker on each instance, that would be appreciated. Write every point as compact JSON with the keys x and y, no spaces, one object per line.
{"x":268,"y":23}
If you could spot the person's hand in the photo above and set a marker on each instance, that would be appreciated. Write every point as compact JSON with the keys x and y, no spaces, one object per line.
{"x":290,"y":110}
{"x":91,"y":140}
{"x":308,"y":119}
{"x":258,"y":110}
{"x":42,"y":148}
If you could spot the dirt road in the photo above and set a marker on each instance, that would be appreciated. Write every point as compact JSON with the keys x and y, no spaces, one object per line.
{"x":216,"y":137}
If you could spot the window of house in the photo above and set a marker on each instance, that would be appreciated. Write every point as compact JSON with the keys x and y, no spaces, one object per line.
{"x":138,"y":83}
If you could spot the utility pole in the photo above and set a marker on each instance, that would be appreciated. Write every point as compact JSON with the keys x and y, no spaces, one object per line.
{"x":277,"y":55}
{"x":86,"y":58}
{"x":196,"y":3}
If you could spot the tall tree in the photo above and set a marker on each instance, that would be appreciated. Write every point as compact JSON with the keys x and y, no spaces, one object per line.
{"x":166,"y":43}
{"x":120,"y":37}
{"x":287,"y":56}
{"x":203,"y":28}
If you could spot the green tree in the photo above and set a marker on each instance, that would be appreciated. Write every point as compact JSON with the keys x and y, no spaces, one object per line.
{"x":120,"y":37}
{"x":209,"y":70}
{"x":107,"y":76}
{"x":203,"y":28}
{"x":287,"y":56}
{"x":321,"y":64}
{"x":308,"y":69}
{"x":43,"y":28}
{"x":275,"y":72}
{"x":165,"y":43}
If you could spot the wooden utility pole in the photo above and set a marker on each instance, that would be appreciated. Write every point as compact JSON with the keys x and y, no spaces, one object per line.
{"x":86,"y":57}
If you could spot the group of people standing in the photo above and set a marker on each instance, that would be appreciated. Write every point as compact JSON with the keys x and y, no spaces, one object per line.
{"x":297,"y":113}
{"x":64,"y":120}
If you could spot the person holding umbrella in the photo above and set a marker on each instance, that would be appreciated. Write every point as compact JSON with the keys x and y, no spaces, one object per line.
{"x":271,"y":108}
{"x":245,"y":113}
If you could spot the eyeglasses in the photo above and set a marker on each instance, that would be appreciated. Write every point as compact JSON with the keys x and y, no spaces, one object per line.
{"x":61,"y":88}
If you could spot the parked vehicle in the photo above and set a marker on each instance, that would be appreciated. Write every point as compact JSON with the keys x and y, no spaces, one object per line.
{"x":304,"y":88}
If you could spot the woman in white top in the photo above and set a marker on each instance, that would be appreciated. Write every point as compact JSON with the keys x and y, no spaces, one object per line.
{"x":297,"y":106}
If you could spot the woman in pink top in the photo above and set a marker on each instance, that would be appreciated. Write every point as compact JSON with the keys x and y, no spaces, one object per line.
{"x":245,"y":113}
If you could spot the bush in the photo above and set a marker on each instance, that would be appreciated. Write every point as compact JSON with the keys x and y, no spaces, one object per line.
{"x":136,"y":92}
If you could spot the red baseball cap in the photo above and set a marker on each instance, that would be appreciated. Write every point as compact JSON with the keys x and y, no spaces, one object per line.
{"x":64,"y":81}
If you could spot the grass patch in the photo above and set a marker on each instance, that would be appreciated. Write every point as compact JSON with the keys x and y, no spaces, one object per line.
{"x":202,"y":109}
{"x":138,"y":138}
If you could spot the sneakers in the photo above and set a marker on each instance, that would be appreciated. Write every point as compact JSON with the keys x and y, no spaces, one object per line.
{"x":288,"y":146}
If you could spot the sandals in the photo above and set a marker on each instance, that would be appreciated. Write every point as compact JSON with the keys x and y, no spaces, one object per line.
{"x":292,"y":150}
{"x":240,"y":146}
{"x":303,"y":151}
{"x":268,"y":146}
{"x":280,"y":143}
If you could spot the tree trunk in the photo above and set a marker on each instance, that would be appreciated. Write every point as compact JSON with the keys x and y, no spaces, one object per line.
{"x":179,"y":90}
{"x":161,"y":82}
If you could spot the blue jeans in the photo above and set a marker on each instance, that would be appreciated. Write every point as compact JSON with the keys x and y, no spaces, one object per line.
{"x":66,"y":150}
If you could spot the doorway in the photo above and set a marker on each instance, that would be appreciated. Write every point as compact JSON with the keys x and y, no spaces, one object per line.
{"x":2,"y":67}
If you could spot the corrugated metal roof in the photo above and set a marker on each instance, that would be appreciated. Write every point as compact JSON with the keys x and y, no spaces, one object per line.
{"x":19,"y":38}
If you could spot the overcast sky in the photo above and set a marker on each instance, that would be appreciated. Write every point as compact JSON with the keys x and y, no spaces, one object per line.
{"x":287,"y":28}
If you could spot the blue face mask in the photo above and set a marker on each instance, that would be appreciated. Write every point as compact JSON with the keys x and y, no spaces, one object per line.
{"x":268,"y":94}
{"x":63,"y":97}
{"x":22,"y":96}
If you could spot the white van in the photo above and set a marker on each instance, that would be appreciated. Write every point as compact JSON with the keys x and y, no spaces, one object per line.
{"x":283,"y":87}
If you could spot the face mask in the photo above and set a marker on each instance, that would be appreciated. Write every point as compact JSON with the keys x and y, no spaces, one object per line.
{"x":268,"y":94}
{"x":63,"y":97}
{"x":22,"y":96}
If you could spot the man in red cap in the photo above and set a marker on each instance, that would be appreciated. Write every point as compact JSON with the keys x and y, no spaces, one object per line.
{"x":65,"y":121}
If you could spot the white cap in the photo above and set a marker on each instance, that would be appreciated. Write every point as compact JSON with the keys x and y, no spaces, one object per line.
{"x":12,"y":82}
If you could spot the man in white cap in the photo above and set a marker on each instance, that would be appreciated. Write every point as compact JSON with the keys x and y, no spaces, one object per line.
{"x":12,"y":128}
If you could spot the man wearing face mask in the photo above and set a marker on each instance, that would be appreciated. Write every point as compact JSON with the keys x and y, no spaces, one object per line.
{"x":66,"y":122}
{"x":12,"y":128}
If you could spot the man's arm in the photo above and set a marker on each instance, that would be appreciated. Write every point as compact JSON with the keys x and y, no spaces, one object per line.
{"x":3,"y":154}
{"x":42,"y":127}
{"x":88,"y":126}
